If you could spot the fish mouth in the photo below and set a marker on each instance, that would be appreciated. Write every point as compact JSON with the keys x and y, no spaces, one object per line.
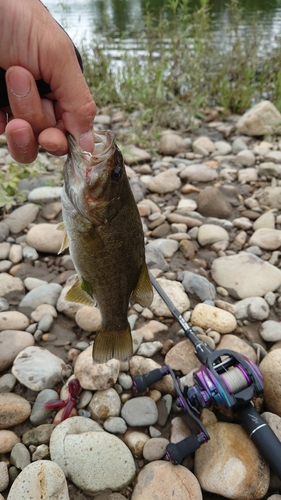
{"x":83,"y":160}
{"x":85,"y":170}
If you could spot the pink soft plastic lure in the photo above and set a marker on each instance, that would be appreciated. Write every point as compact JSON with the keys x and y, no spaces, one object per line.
{"x":68,"y":404}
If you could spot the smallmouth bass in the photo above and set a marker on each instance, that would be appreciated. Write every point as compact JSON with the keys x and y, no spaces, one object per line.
{"x":104,"y":233}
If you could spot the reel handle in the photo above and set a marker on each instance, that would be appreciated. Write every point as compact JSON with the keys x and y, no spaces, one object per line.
{"x":141,"y":382}
{"x":262,"y":435}
{"x":176,"y":452}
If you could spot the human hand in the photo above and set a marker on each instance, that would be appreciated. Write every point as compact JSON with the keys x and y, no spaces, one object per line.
{"x":33,"y":47}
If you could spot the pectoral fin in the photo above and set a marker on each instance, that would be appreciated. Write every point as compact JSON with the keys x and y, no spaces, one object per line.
{"x":143,"y":293}
{"x":79,"y":293}
{"x":65,"y":242}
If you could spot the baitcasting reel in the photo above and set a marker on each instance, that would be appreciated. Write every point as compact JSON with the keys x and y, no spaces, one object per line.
{"x":226,"y":381}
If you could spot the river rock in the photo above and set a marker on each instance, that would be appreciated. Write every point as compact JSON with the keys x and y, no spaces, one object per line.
{"x":88,"y":318}
{"x":270,"y":367}
{"x":181,"y":357}
{"x":134,"y":155}
{"x":270,"y":331}
{"x":11,"y":288}
{"x":245,"y":275}
{"x":4,"y":476}
{"x":135,"y":440}
{"x":161,"y":480}
{"x":171,"y":144}
{"x":44,"y":294}
{"x":12,"y":343}
{"x":140,"y":411}
{"x":175,"y":292}
{"x":230,"y":464}
{"x":271,"y":197}
{"x":8,"y":439}
{"x":207,"y":316}
{"x":267,"y":239}
{"x":95,"y":376}
{"x":211,"y":202}
{"x":245,"y":158}
{"x":13,"y":320}
{"x":45,"y":238}
{"x":21,"y":217}
{"x":266,"y":220}
{"x":155,"y":448}
{"x":105,"y":404}
{"x":274,"y":422}
{"x":236,"y":344}
{"x":45,"y":194}
{"x":198,"y":173}
{"x":40,"y":413}
{"x":253,"y":308}
{"x":210,"y":233}
{"x":20,"y":456}
{"x":13,"y":410}
{"x":261,"y":119}
{"x":165,"y":246}
{"x":165,"y":182}
{"x":203,"y":146}
{"x":38,"y":435}
{"x":43,"y":310}
{"x":198,"y":285}
{"x":115,"y":425}
{"x":269,"y":169}
{"x":37,"y":368}
{"x":79,"y":441}
{"x":41,"y":479}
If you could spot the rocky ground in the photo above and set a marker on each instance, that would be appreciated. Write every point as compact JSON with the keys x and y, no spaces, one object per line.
{"x":210,"y":207}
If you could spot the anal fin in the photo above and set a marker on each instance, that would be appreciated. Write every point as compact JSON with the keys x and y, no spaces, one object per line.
{"x":143,"y":293}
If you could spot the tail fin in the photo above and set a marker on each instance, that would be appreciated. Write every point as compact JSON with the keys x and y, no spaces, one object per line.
{"x":111,"y":344}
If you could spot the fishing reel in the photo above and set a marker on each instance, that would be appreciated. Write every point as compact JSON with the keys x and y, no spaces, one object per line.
{"x":227,"y":381}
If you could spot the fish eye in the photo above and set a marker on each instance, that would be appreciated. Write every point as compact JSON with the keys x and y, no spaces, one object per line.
{"x":116,"y":173}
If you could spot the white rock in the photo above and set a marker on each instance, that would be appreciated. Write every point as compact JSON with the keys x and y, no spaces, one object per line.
{"x":267,"y":239}
{"x":165,"y":246}
{"x":252,"y":307}
{"x":165,"y":182}
{"x":37,"y":368}
{"x":13,"y":320}
{"x":262,"y":119}
{"x":175,"y":292}
{"x":266,"y":220}
{"x":210,"y":233}
{"x":45,"y":238}
{"x":270,"y":331}
{"x":95,"y":376}
{"x":41,"y":479}
{"x":246,"y":158}
{"x":245,"y":275}
{"x":79,"y":452}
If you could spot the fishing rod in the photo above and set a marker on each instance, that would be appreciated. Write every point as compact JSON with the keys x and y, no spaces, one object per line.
{"x":227,"y":381}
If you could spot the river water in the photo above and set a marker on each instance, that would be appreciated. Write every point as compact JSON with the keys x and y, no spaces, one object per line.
{"x":85,"y":19}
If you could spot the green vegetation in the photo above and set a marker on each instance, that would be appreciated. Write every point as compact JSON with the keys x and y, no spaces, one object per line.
{"x":10,"y":176}
{"x":180,"y":67}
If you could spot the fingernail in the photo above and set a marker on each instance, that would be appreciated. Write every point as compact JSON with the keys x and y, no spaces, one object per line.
{"x":21,"y":137}
{"x":19,"y":84}
{"x":86,"y":141}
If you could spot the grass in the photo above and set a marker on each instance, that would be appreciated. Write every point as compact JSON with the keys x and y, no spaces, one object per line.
{"x":180,"y":67}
